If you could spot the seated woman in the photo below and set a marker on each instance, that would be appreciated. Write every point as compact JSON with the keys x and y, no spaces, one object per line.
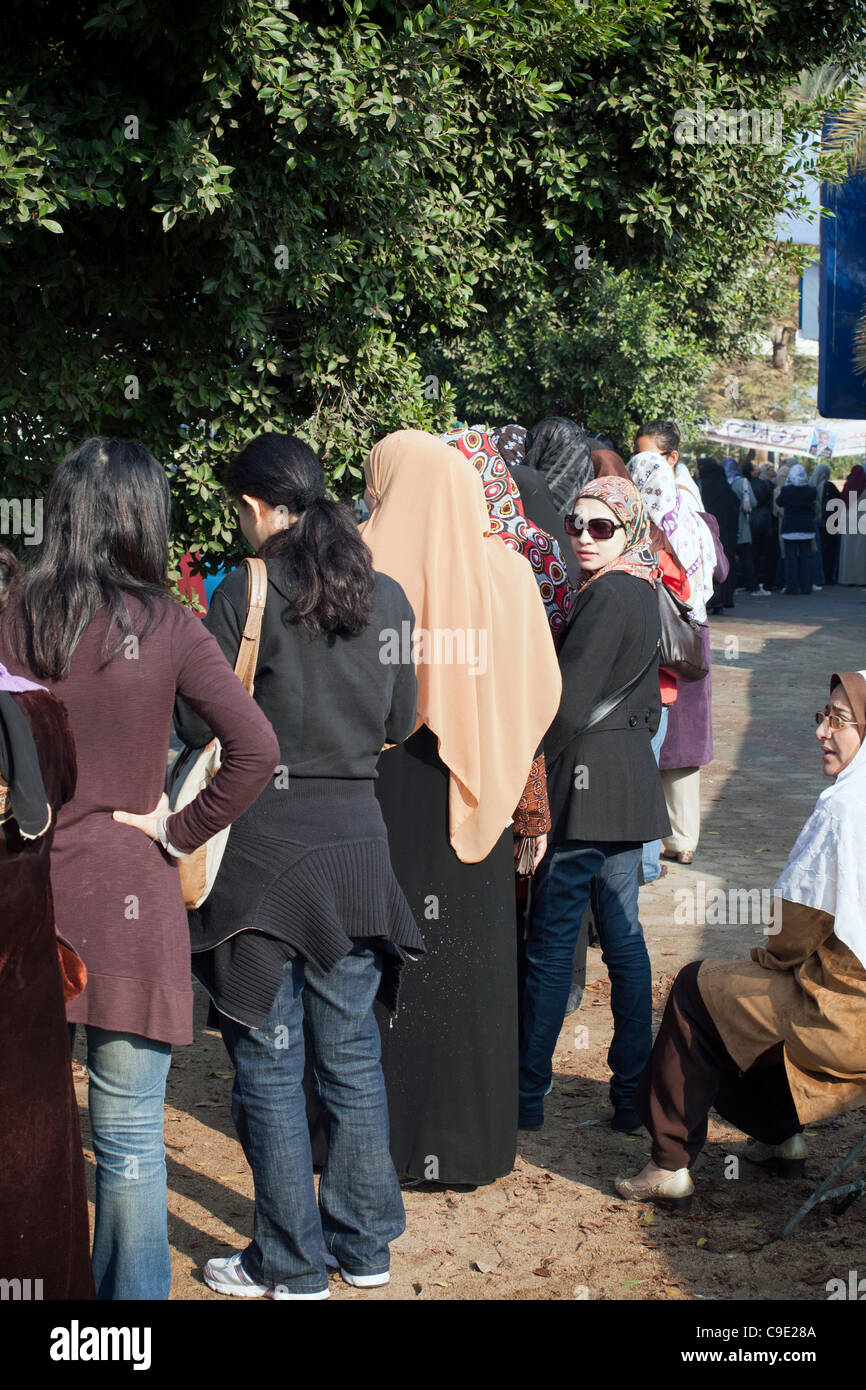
{"x":779,"y":1041}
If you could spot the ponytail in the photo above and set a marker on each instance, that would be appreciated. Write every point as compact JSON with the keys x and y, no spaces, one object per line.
{"x":326,"y":567}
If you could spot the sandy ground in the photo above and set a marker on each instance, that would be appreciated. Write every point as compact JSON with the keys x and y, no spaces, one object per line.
{"x":554,"y":1227}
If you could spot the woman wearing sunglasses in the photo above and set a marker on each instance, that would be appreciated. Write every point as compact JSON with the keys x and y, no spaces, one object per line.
{"x":779,"y":1041}
{"x":605,"y":793}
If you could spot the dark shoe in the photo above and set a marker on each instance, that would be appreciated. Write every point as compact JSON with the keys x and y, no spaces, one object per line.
{"x":625,"y":1120}
{"x":530,"y":1120}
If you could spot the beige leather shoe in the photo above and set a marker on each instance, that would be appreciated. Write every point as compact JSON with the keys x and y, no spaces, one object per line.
{"x":786,"y":1160}
{"x":653,"y":1184}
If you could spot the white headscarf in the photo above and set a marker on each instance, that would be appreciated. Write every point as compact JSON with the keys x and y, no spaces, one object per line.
{"x":674,"y":512}
{"x":797,"y":476}
{"x":826,"y":868}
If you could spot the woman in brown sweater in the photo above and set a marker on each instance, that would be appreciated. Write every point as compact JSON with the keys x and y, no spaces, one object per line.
{"x":96,"y":624}
{"x":778,"y":1041}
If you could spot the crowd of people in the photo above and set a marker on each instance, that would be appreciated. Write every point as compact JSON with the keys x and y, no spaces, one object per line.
{"x":780,"y":528}
{"x":458,"y":748}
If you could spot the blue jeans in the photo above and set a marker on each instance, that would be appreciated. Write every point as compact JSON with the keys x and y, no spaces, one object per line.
{"x":651,"y":864}
{"x":570,"y":874}
{"x":360,"y":1208}
{"x":798,"y":567}
{"x":126,"y":1099}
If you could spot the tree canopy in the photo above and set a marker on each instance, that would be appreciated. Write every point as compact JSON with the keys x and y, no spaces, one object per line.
{"x":342,"y":219}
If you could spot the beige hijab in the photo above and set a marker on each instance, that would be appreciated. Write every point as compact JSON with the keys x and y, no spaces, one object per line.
{"x":429,"y":531}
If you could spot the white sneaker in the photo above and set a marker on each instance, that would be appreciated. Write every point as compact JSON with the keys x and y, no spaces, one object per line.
{"x":358,"y":1281}
{"x":227,"y":1275}
{"x":761,"y":592}
{"x":817,"y":588}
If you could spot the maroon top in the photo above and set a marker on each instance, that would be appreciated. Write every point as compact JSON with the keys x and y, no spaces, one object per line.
{"x":117,"y":894}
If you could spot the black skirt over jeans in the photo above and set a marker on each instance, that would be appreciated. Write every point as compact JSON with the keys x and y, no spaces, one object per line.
{"x":306,"y":872}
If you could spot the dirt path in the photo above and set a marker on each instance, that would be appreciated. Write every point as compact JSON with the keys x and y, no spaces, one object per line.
{"x":554,"y":1227}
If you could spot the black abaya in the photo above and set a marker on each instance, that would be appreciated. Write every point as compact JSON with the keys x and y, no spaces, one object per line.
{"x":721,"y":501}
{"x":450,"y":1055}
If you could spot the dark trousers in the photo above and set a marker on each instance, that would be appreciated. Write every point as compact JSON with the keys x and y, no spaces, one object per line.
{"x":765,"y":552}
{"x":798,"y":567}
{"x":747,"y":566}
{"x":690,"y":1072}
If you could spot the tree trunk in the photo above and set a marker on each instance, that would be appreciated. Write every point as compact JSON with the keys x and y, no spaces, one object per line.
{"x":783,"y":336}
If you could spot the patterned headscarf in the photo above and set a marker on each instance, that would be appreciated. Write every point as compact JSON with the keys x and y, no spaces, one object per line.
{"x":687,"y":532}
{"x":507,"y":520}
{"x":510,"y":440}
{"x":622,"y":498}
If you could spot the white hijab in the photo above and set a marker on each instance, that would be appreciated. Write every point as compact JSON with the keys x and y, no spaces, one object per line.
{"x":826,"y":868}
{"x":673,"y":511}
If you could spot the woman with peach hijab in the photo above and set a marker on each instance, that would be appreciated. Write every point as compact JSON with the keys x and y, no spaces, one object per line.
{"x":488,"y":687}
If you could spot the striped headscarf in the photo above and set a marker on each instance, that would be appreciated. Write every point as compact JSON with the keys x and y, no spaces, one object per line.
{"x":507,"y":521}
{"x":622,"y":498}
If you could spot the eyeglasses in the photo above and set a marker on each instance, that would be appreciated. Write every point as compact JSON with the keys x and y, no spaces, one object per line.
{"x":599,"y":527}
{"x":835,"y":721}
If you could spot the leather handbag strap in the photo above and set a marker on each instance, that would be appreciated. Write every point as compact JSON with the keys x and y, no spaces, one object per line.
{"x":610,"y":702}
{"x":257,"y":594}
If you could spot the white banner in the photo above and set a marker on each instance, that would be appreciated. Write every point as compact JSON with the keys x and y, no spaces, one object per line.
{"x":823,"y":439}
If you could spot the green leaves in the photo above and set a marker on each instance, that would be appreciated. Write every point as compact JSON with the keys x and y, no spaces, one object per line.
{"x":358,"y":218}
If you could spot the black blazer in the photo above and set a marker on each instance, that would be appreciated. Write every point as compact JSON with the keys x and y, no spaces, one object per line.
{"x":605,"y":785}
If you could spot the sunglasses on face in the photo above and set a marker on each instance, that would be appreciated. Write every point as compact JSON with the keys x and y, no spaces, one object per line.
{"x":835,"y":721}
{"x":600,"y":529}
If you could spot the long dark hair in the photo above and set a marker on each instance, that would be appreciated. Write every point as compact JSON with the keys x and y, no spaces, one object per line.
{"x":10,"y":576}
{"x":327,"y":567}
{"x":105,"y":536}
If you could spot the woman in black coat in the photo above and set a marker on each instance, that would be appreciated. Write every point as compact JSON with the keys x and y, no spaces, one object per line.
{"x":605,"y":793}
{"x":721,"y":501}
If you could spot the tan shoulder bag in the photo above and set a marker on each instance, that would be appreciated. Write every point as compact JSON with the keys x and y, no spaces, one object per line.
{"x":194,"y":768}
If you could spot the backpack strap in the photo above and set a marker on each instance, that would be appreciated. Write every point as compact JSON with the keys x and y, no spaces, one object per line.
{"x":257,"y":594}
